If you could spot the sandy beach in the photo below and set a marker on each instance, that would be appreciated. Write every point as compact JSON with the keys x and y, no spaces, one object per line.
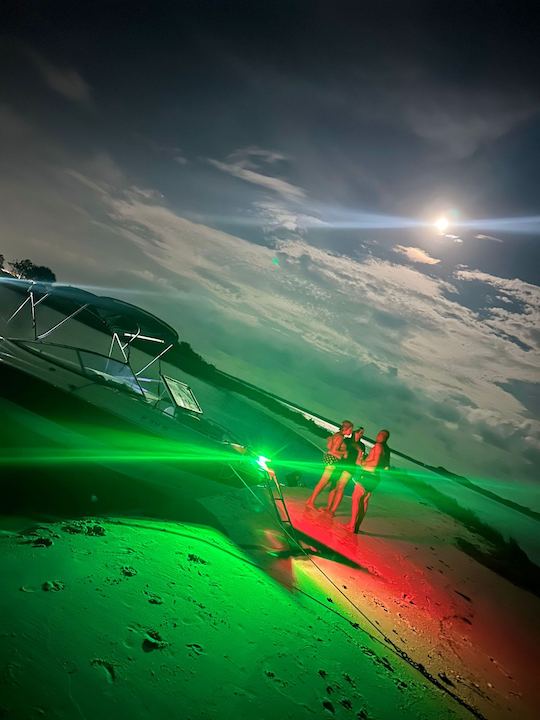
{"x":142,"y":617}
{"x":467,"y":625}
{"x":144,"y":590}
{"x":101,"y":618}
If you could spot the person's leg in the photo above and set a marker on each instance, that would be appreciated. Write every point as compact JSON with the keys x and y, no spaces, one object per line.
{"x":367,"y":497}
{"x":330,"y":498}
{"x":319,"y":487}
{"x":357,"y":495}
{"x":363,"y":506}
{"x":332,"y":493}
{"x":337,"y":496}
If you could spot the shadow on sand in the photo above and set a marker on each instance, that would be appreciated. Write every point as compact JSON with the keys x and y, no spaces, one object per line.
{"x":77,"y":491}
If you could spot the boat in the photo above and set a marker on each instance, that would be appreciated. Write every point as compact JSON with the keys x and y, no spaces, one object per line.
{"x":83,"y":385}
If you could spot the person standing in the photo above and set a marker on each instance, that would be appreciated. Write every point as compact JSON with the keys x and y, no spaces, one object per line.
{"x":369,"y":477}
{"x":356,"y":451}
{"x":335,"y":451}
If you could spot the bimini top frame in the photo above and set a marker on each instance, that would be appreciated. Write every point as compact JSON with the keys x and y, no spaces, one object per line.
{"x":126,"y":323}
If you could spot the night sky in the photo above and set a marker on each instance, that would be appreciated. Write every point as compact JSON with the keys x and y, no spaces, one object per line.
{"x":266,"y":177}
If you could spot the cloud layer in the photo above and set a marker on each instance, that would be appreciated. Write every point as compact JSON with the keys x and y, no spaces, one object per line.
{"x":380,"y":337}
{"x":416,"y":255}
{"x":282,"y":245}
{"x":242,"y":164}
{"x":65,"y":81}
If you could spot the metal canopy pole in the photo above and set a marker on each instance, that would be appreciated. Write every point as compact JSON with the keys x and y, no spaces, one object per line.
{"x":19,"y":308}
{"x":48,"y":332}
{"x":154,"y":360}
{"x":34,"y":306}
{"x":122,"y":347}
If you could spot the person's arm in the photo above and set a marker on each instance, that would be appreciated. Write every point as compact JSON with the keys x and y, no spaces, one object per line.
{"x":334,"y":444}
{"x":361,"y":452}
{"x":373,"y":457}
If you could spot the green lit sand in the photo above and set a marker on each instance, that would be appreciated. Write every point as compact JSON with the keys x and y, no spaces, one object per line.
{"x":173,"y":606}
{"x":173,"y":620}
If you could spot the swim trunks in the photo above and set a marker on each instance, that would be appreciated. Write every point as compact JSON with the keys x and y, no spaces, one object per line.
{"x":368,"y":480}
{"x":329,"y":459}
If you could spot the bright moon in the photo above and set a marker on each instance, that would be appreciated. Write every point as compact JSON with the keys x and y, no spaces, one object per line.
{"x":441,"y":224}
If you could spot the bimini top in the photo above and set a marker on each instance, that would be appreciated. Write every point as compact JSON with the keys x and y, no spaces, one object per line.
{"x":115,"y":316}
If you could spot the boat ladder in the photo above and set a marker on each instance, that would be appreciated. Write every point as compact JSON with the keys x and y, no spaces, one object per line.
{"x":280,"y":506}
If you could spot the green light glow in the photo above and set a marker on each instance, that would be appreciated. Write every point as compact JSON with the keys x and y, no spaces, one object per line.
{"x":263,"y":461}
{"x":133,"y":448}
{"x":79,"y":443}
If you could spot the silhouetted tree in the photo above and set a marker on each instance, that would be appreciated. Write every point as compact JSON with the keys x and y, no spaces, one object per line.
{"x":27,"y":270}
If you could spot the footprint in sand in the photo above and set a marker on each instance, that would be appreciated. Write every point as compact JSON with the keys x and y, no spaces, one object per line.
{"x":271,"y":675}
{"x":97,"y":530}
{"x":108,"y":668}
{"x":79,"y":527}
{"x":153,"y":599}
{"x":385,"y":663}
{"x":444,"y":677}
{"x":153,"y":641}
{"x":52,"y":586}
{"x":38,"y":542}
{"x":363,"y":715}
{"x":38,"y":530}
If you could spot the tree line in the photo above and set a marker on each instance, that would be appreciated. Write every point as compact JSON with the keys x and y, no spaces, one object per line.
{"x":27,"y":270}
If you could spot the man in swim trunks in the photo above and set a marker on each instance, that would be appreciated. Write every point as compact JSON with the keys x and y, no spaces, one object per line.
{"x":335,"y":452}
{"x":368,"y":478}
{"x":356,"y":451}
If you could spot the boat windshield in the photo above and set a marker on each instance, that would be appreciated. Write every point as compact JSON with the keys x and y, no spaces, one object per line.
{"x":110,"y":370}
{"x":92,"y":364}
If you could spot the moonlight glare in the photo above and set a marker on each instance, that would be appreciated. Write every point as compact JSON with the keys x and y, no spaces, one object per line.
{"x":441,"y":224}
